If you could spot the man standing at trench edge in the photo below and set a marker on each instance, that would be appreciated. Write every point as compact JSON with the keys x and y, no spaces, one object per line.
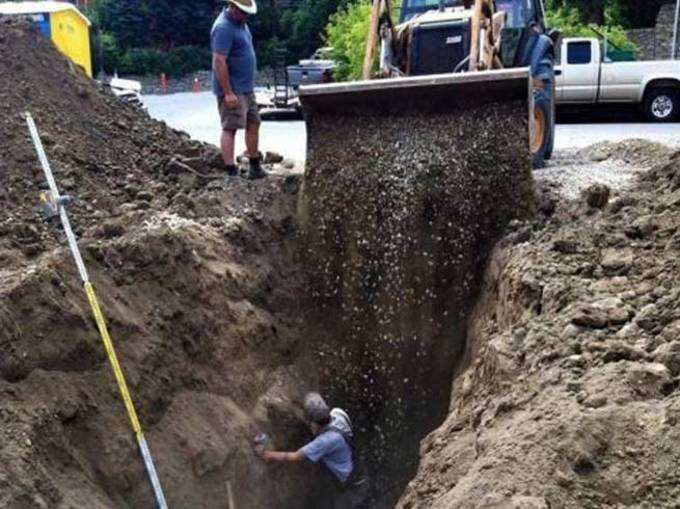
{"x":234,"y":68}
{"x":334,"y":447}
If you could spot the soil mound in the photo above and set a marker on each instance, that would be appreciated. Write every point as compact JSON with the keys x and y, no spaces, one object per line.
{"x":196,"y":279}
{"x":571,"y":396}
{"x":114,"y":159}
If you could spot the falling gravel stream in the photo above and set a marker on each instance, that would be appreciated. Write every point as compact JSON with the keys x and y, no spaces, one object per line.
{"x":396,"y":233}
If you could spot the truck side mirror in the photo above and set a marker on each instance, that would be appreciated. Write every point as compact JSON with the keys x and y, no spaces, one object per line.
{"x":554,"y":34}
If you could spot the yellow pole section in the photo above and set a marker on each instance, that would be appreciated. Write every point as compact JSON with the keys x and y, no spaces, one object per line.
{"x":113,"y":358}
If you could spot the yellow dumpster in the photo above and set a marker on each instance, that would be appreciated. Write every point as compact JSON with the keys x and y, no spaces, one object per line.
{"x":68,"y":28}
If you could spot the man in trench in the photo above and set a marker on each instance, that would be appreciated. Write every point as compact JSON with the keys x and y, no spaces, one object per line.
{"x":333,"y":446}
{"x":234,"y":69}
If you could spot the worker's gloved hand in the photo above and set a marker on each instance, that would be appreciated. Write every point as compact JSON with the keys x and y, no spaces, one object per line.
{"x":260,"y":444}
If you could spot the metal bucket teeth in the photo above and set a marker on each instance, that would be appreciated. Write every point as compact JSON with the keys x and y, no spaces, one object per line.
{"x":422,"y":94}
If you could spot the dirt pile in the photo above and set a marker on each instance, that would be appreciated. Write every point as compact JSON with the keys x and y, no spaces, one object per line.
{"x":397,"y":232}
{"x":114,"y":159}
{"x":196,"y":278}
{"x":570,"y":399}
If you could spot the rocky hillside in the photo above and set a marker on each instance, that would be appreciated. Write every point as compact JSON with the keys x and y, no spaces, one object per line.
{"x":570,"y":398}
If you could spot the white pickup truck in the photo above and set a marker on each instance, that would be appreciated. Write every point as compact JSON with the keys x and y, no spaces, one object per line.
{"x":583,"y":76}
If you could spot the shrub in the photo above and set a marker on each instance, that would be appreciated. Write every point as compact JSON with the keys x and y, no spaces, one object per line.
{"x":346,"y":33}
{"x":177,"y":62}
{"x":568,"y":21}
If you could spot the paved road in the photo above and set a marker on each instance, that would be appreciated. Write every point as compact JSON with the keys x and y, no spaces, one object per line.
{"x":197,"y":115}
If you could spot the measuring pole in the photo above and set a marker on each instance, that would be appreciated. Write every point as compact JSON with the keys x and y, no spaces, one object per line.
{"x":57,"y":201}
{"x":674,"y":48}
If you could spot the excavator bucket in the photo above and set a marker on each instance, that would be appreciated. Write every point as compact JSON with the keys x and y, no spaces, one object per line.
{"x":452,"y":150}
{"x":449,"y":119}
{"x":439,"y":93}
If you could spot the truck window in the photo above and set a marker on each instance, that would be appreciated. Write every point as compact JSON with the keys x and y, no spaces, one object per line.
{"x":519,"y":12}
{"x":579,"y":53}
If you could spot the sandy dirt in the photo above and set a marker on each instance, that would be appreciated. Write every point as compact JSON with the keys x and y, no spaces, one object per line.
{"x":570,"y":399}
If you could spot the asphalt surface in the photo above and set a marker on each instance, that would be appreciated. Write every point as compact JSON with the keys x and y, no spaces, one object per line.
{"x":196,"y":113}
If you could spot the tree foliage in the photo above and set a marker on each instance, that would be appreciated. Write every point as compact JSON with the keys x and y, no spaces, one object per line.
{"x":138,"y":33}
{"x":627,"y":13}
{"x":162,"y":27}
{"x":346,"y":33}
{"x":571,"y":23}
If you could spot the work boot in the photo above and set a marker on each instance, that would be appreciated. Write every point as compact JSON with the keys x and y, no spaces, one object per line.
{"x":256,"y":172}
{"x":232,"y":170}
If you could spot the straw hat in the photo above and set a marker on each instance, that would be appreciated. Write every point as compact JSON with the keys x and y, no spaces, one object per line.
{"x":247,"y":6}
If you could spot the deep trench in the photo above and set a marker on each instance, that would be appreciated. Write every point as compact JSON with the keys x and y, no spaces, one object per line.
{"x":396,"y":234}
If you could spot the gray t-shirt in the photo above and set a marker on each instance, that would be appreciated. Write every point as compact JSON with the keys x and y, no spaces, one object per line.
{"x":234,"y":41}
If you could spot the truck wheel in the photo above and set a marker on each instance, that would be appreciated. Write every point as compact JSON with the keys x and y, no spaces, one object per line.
{"x":541,"y":133}
{"x":662,"y":104}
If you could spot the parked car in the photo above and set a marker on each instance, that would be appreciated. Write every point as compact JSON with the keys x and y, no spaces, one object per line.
{"x":316,"y":69}
{"x":585,"y":75}
{"x":129,"y":91}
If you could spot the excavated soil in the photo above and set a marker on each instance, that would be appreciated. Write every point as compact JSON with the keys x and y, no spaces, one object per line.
{"x":570,"y":399}
{"x":221,"y":314}
{"x":195,"y":276}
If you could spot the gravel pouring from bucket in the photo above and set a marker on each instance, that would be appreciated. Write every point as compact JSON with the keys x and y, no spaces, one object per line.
{"x":409,"y":183}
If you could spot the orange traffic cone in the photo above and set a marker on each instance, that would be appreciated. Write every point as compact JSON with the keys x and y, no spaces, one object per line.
{"x":197,"y":85}
{"x":164,"y":83}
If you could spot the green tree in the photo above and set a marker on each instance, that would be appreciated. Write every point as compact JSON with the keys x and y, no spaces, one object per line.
{"x":628,"y":13}
{"x":570,"y":21}
{"x":346,"y":33}
{"x":302,"y":28}
{"x":639,"y":13}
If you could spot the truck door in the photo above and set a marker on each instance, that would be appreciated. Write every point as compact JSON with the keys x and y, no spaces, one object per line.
{"x":580,"y":71}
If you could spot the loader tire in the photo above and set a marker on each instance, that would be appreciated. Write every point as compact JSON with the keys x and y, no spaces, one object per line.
{"x":553,"y":120}
{"x":542,"y":131}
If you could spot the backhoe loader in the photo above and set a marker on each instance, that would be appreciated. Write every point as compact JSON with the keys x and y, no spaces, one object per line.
{"x":448,"y":54}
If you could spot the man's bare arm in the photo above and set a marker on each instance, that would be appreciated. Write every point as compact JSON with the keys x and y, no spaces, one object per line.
{"x":222,"y":73}
{"x":287,"y":457}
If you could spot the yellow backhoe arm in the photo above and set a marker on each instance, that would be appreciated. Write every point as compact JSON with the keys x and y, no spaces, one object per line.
{"x":379,"y":10}
{"x":487,"y":26}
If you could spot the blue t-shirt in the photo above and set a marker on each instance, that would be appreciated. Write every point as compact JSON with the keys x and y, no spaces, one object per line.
{"x":335,"y":452}
{"x":234,"y":41}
